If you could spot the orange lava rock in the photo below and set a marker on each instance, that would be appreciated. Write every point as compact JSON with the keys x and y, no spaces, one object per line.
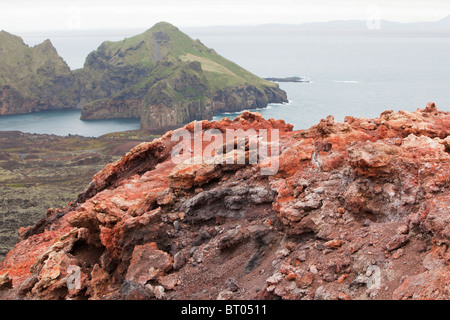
{"x":291,"y":276}
{"x":343,"y":296}
{"x":341,"y":278}
{"x":333,"y":244}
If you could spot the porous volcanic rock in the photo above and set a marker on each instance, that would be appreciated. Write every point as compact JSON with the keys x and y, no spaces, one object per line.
{"x":357,"y":210}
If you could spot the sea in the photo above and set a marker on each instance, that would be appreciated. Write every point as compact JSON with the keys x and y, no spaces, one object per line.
{"x":359,"y":75}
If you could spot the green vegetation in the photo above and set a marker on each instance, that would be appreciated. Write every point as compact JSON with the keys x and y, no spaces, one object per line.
{"x":184,"y":48}
{"x":18,"y":185}
{"x":37,"y":77}
{"x":164,"y":66}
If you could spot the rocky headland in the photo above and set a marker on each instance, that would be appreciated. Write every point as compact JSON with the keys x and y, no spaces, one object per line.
{"x":357,"y":210}
{"x":167,"y":79}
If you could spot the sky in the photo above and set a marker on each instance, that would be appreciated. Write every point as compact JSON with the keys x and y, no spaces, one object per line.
{"x":37,"y":15}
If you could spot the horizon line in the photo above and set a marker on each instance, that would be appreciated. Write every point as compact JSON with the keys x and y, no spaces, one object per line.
{"x":134,"y":28}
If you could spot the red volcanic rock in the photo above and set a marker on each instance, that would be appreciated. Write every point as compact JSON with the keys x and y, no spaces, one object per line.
{"x":333,"y":244}
{"x":148,"y":263}
{"x":355,"y":210}
{"x":398,"y":241}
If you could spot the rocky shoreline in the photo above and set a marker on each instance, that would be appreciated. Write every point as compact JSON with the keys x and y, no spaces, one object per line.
{"x":357,"y":210}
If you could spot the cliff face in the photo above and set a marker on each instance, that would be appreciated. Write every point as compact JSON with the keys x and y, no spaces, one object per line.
{"x":179,"y":99}
{"x":33,"y":79}
{"x":236,"y":99}
{"x":357,"y":210}
{"x":167,"y":79}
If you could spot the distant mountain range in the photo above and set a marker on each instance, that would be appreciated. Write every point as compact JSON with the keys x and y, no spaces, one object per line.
{"x":441,"y":27}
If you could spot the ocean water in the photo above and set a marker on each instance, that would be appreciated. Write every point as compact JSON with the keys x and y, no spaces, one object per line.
{"x":63,"y":123}
{"x":356,"y":75}
{"x":360,"y":76}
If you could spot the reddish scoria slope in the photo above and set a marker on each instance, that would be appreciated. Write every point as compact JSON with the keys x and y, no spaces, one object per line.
{"x":357,"y":210}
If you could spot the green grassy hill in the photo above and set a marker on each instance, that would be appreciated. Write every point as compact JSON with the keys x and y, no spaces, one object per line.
{"x":134,"y":77}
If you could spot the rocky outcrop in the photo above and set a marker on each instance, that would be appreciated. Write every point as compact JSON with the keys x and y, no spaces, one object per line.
{"x":357,"y":210}
{"x":33,"y":79}
{"x":243,"y":98}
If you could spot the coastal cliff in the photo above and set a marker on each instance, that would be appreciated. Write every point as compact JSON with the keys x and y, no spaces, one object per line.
{"x":357,"y":210}
{"x":167,"y":79}
{"x":33,"y":78}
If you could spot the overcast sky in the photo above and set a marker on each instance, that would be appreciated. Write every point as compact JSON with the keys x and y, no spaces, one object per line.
{"x":36,"y":15}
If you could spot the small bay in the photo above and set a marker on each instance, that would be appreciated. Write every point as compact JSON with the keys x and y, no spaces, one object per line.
{"x":63,"y":123}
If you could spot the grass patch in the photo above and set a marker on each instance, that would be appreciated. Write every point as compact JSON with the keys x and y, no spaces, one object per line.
{"x":16,"y":185}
